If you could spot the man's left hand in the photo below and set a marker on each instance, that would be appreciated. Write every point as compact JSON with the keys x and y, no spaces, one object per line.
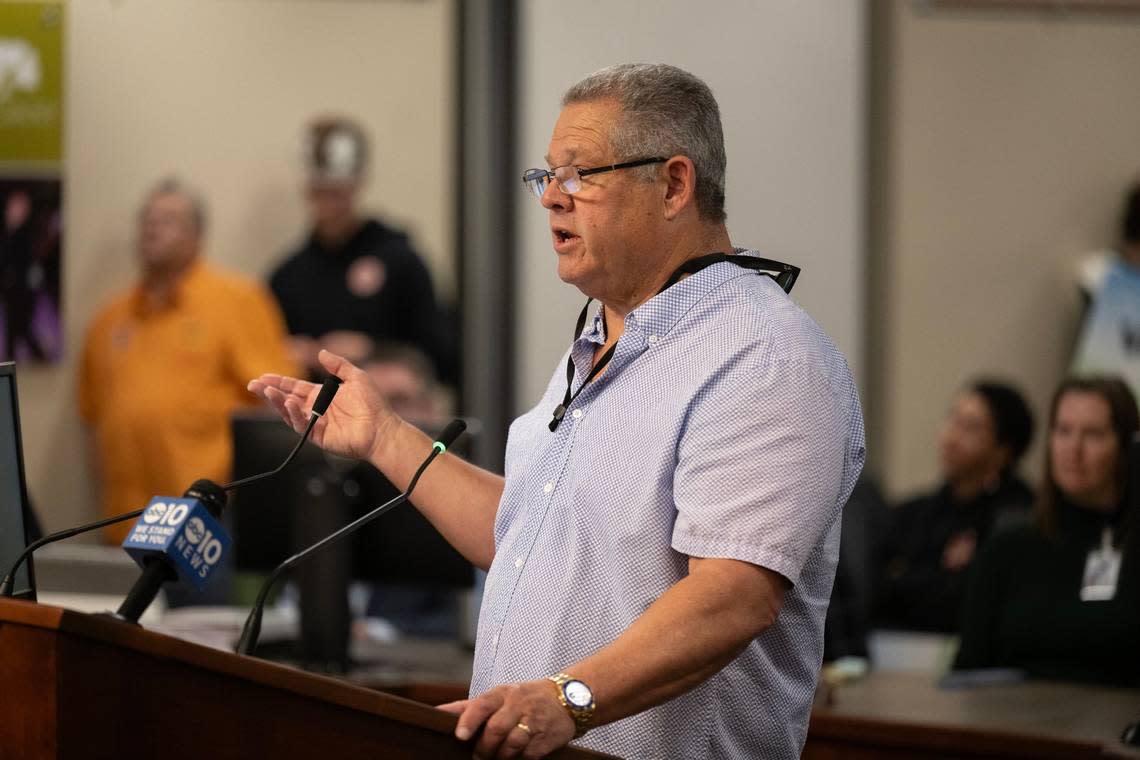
{"x":519,"y":720}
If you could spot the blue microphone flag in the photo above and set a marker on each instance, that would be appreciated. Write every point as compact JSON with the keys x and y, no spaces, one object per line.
{"x":183,"y":532}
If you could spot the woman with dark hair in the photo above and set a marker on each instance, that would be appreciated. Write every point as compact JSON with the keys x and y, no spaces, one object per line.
{"x":930,"y":541}
{"x":1060,"y":598}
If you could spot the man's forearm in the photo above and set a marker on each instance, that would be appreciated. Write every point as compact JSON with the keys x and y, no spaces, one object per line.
{"x":457,"y":497}
{"x":692,"y":631}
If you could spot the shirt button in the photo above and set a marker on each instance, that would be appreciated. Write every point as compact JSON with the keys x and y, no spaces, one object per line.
{"x":548,"y":488}
{"x":495,"y":640}
{"x":518,"y":561}
{"x":577,"y":414}
{"x":652,"y":338}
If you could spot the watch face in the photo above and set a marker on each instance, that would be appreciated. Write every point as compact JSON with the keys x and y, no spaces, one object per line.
{"x":578,"y":694}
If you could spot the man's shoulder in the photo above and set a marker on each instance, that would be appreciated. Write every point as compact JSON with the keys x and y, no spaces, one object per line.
{"x":921,"y":503}
{"x":225,"y":282}
{"x":764,"y":297}
{"x":390,"y":244}
{"x":295,"y":264}
{"x":769,"y":328}
{"x":376,"y":230}
{"x":113,"y":310}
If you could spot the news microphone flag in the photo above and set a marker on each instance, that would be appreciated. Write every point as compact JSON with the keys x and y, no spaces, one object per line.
{"x":184,"y":533}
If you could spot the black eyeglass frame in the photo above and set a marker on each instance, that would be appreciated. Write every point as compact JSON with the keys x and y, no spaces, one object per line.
{"x":530,"y":175}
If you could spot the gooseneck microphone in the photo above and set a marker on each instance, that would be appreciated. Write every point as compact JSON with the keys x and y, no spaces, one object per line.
{"x":320,"y":406}
{"x":328,"y":389}
{"x":252,"y":628}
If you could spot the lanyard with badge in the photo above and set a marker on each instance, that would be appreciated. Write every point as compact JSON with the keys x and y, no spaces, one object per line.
{"x":1102,"y":569}
{"x":784,"y":274}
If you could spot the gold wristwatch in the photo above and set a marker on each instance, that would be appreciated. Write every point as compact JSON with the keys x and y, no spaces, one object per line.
{"x":578,"y":700}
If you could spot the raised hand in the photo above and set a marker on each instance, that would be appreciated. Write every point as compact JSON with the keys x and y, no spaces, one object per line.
{"x":356,"y":422}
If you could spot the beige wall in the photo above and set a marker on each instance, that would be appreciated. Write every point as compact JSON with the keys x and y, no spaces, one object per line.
{"x":217,"y":92}
{"x":1010,"y":140}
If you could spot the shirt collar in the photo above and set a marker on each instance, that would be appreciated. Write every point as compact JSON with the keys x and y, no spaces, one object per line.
{"x":657,"y":316}
{"x":190,"y":281}
{"x":594,"y":330}
{"x":352,"y":246}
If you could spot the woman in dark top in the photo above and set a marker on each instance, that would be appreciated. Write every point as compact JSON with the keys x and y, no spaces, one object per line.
{"x":929,"y":542}
{"x":1044,"y":598}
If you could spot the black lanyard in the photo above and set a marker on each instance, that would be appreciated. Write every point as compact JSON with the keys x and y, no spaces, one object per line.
{"x":784,"y":274}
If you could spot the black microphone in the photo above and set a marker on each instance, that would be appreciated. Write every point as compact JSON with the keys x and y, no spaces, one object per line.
{"x":252,"y":628}
{"x":328,"y":389}
{"x":320,"y":406}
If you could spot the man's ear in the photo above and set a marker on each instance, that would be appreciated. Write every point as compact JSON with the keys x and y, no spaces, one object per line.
{"x":680,"y":186}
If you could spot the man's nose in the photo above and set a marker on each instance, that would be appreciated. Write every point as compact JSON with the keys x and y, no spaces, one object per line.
{"x":554,"y":198}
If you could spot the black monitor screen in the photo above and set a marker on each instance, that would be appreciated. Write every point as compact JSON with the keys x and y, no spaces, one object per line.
{"x":400,"y":547}
{"x":13,"y":494}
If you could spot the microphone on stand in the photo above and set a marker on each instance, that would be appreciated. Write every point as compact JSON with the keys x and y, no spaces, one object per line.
{"x":175,"y":539}
{"x":320,"y":406}
{"x":252,"y":628}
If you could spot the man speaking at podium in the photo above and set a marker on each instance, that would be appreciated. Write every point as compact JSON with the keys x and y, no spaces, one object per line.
{"x":662,"y":547}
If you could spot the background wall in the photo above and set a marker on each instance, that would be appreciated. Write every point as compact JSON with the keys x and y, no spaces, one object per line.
{"x":1009,"y":141}
{"x":218,"y":92}
{"x":1004,"y":142}
{"x":789,"y":80}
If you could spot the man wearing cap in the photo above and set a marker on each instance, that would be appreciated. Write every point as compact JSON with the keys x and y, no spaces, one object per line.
{"x":355,"y":282}
{"x":662,"y":545}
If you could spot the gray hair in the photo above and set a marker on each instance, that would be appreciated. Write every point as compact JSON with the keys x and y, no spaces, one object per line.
{"x":665,"y":112}
{"x":175,"y":186}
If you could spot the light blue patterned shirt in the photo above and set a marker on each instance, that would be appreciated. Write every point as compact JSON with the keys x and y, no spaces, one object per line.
{"x":726,"y":425}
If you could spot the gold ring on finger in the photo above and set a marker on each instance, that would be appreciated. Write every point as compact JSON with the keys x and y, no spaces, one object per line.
{"x":524,"y":727}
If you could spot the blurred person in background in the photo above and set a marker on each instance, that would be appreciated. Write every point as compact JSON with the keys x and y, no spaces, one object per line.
{"x":930,"y":540}
{"x":407,"y":381}
{"x":1109,"y":340}
{"x":1060,"y":598}
{"x":165,"y":362}
{"x":355,"y":282}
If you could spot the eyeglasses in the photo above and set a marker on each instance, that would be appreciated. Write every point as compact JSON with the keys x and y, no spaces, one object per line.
{"x":569,"y":178}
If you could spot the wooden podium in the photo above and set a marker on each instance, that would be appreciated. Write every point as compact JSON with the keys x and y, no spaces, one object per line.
{"x":82,"y":686}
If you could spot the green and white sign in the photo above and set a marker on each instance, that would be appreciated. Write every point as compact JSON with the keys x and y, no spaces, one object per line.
{"x":31,"y":82}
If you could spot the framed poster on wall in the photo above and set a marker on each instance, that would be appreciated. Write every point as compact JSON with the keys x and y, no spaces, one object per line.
{"x":31,"y":178}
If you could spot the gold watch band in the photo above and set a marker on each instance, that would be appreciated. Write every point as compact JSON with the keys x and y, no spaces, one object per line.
{"x":583,"y":716}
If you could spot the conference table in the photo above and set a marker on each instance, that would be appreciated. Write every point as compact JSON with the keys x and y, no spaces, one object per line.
{"x":905,"y":715}
{"x":883,"y":715}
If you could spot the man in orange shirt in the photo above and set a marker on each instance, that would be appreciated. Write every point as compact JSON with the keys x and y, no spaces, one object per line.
{"x":165,"y":363}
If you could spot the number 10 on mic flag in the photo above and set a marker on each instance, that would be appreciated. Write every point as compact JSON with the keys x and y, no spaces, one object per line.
{"x":183,"y":532}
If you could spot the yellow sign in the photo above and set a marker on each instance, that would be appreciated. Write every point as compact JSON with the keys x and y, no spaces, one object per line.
{"x":31,"y":82}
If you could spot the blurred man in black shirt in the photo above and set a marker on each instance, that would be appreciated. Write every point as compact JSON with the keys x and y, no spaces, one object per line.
{"x":355,"y":282}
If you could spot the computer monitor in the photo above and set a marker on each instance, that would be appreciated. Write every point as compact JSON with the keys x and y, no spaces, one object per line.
{"x":15,"y":514}
{"x":399,"y":547}
{"x":316,"y":495}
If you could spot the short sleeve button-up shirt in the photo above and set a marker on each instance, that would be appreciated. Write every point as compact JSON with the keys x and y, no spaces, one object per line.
{"x":726,"y":425}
